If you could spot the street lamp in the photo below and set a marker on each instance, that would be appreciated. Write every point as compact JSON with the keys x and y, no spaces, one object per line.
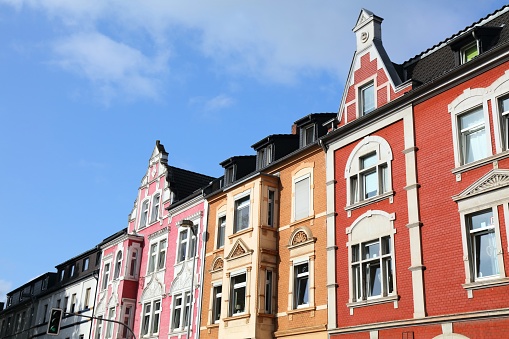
{"x":189,"y":224}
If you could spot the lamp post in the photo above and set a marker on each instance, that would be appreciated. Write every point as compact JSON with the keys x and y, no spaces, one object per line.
{"x":189,"y":224}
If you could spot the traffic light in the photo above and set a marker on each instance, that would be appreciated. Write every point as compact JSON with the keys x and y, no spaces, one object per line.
{"x":54,"y":321}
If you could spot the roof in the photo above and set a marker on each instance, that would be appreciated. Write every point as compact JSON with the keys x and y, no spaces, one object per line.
{"x":183,"y":182}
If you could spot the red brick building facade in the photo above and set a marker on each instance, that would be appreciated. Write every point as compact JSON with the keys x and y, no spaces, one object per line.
{"x":418,"y":189}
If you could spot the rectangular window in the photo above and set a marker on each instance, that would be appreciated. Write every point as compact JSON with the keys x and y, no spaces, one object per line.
{"x":58,"y":303}
{"x":241,"y":214}
{"x":301,"y":196}
{"x":45,"y":313}
{"x":66,"y":303}
{"x":162,"y":255}
{"x":238,"y":294}
{"x":372,"y":269}
{"x":469,"y":52}
{"x":307,"y":135}
{"x":472,"y":136}
{"x":134,"y":263}
{"x":301,"y":286}
{"x":72,"y":271}
{"x":144,"y":214}
{"x":265,"y":156}
{"x":152,"y":258}
{"x":372,"y":179}
{"x":268,"y":292}
{"x":106,"y":275}
{"x":87,"y":298}
{"x":503,"y":108}
{"x":181,"y":308}
{"x":109,"y":327}
{"x":156,"y":316}
{"x":483,"y":246}
{"x":187,"y":309}
{"x":270,"y":209}
{"x":155,"y":208}
{"x":216,"y":303}
{"x":86,"y":262}
{"x":367,"y":94}
{"x":127,"y":321}
{"x":73,"y":303}
{"x":99,"y":327}
{"x":145,"y":327}
{"x":229,"y":175}
{"x":221,"y":227}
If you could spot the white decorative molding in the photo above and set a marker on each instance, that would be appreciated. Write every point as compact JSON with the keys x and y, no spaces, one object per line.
{"x":494,"y":179}
{"x":183,"y":279}
{"x":153,"y":289}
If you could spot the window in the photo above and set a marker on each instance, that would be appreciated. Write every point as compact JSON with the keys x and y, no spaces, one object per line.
{"x":367,"y":98}
{"x":229,"y":175}
{"x":264,"y":156}
{"x":86,"y":262}
{"x":301,"y":276}
{"x":87,"y":298}
{"x":221,"y":231}
{"x":144,"y":214}
{"x":270,"y":208}
{"x":118,"y":265}
{"x":58,"y":303}
{"x":134,"y":263}
{"x":368,"y":171}
{"x":216,"y":303}
{"x":301,"y":196}
{"x":157,"y":256}
{"x":45,"y":313}
{"x":241,"y":214}
{"x":73,"y":303}
{"x":106,"y":275}
{"x":44,"y":284}
{"x":62,"y":275}
{"x":371,"y":258}
{"x":469,"y":52}
{"x":127,"y":320}
{"x":268,"y":291}
{"x":186,"y":245}
{"x":503,"y":108}
{"x":99,"y":327}
{"x":71,"y":272}
{"x":482,"y":245}
{"x":181,"y":308}
{"x":155,"y":208}
{"x":472,"y":136}
{"x":307,"y":135}
{"x":150,"y":318}
{"x":238,"y":294}
{"x":372,"y":269}
{"x":66,"y":303}
{"x":109,"y":326}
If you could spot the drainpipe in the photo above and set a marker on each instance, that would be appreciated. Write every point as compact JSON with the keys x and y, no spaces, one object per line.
{"x":204,"y":240}
{"x":95,"y":274}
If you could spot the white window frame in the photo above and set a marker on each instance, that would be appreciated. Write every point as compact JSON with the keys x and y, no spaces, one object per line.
{"x":127,"y":317}
{"x":185,"y":246}
{"x":180,"y":312}
{"x":241,"y":203}
{"x":464,"y":49}
{"x":134,"y":262}
{"x":221,"y":231}
{"x":296,"y":197}
{"x":234,"y":286}
{"x":297,"y":278}
{"x":360,"y":233}
{"x":118,"y":265}
{"x":498,"y":91}
{"x":217,"y":298}
{"x":304,"y":140}
{"x":265,"y":156}
{"x":157,"y":255}
{"x":304,"y":171}
{"x":469,"y":100}
{"x":156,"y":203}
{"x":110,"y":326}
{"x":99,"y":327}
{"x":361,"y":99}
{"x":106,"y":275}
{"x":144,"y":213}
{"x":355,"y":174}
{"x":149,"y":316}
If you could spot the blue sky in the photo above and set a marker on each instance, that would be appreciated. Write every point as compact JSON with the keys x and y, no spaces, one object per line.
{"x":88,"y":86}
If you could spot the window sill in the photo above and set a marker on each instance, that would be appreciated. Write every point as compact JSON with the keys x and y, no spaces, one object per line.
{"x":236,"y":317}
{"x":487,"y":283}
{"x":480,"y":163}
{"x":295,"y":222}
{"x":366,"y":202}
{"x":215,"y":325}
{"x":239,"y":233}
{"x":302,"y":309}
{"x":375,"y":301}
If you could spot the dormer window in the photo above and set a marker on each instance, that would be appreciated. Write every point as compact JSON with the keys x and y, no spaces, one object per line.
{"x":265,"y":156}
{"x":367,"y":98}
{"x":308,"y":135}
{"x":469,"y":52}
{"x":229,"y":175}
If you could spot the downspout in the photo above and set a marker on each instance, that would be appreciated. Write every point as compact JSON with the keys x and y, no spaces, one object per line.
{"x":204,"y":240}
{"x":95,"y":299}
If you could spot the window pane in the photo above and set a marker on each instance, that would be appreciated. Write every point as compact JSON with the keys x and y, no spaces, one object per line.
{"x":470,"y":52}
{"x":368,"y":99}
{"x":270,"y":209}
{"x":486,"y":255}
{"x":216,"y":310}
{"x":239,"y":293}
{"x":354,"y":187}
{"x":475,"y":146}
{"x":220,"y":232}
{"x":481,"y":220}
{"x":371,"y":250}
{"x":374,"y":279}
{"x":301,"y":284}
{"x":242,"y":214}
{"x":302,"y":199}
{"x":368,"y":161}
{"x":370,"y":184}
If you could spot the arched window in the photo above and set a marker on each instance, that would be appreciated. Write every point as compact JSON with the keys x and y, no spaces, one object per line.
{"x":118,"y":265}
{"x":144,"y":214}
{"x":368,"y":172}
{"x":155,"y":207}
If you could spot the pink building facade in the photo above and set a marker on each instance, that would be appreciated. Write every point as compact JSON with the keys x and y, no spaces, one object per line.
{"x":146,"y":277}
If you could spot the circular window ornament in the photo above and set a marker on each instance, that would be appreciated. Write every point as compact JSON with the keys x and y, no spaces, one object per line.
{"x":364,"y":36}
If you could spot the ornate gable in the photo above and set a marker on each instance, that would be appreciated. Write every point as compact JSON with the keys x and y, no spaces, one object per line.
{"x":153,"y":289}
{"x":183,"y":279}
{"x":494,"y":179}
{"x":239,"y":249}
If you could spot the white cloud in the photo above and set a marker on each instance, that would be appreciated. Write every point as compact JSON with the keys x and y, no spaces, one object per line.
{"x":113,"y":66}
{"x":5,"y":286}
{"x":218,"y":102}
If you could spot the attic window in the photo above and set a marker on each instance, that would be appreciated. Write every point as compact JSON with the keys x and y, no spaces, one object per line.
{"x":367,"y":98}
{"x":265,"y":156}
{"x":469,"y":52}
{"x":229,"y":175}
{"x":307,"y":135}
